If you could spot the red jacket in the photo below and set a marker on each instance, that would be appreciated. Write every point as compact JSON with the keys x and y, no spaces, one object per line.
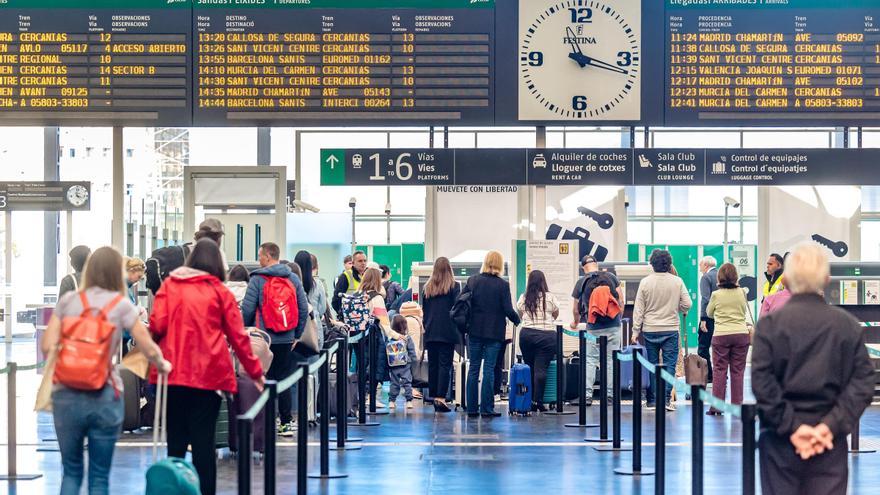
{"x":194,"y":316}
{"x":603,"y":303}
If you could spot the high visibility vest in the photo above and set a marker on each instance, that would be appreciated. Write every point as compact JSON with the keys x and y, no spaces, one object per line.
{"x":353,"y":283}
{"x":777,"y":286}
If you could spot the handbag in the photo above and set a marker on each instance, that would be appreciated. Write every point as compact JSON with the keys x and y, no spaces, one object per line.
{"x":307,"y":344}
{"x":696,"y":370}
{"x":44,"y":393}
{"x":750,"y":326}
{"x":461,"y":309}
{"x":420,"y":372}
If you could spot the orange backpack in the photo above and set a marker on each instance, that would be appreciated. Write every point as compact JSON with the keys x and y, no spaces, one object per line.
{"x":85,"y":354}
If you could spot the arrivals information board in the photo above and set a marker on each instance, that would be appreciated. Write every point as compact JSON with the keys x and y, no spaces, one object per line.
{"x":94,"y":62}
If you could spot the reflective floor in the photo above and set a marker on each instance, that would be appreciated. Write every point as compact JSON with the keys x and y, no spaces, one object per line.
{"x":417,"y":452}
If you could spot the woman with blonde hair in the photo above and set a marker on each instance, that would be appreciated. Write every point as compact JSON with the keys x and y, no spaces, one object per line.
{"x":441,"y":334}
{"x":491,"y":306}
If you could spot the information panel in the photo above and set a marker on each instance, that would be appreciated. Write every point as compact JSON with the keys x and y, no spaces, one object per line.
{"x":45,"y":196}
{"x":795,"y":62}
{"x":94,"y":62}
{"x":279,"y":62}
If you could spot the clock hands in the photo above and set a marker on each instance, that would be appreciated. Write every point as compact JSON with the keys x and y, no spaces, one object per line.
{"x":583,"y":61}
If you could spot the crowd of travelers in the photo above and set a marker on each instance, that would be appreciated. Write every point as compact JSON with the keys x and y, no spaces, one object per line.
{"x":811,"y":374}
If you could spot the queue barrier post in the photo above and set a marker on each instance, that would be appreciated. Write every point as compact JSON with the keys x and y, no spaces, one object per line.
{"x":12,"y":473}
{"x":362,"y":384}
{"x":245,"y":428}
{"x":603,"y":392}
{"x":560,"y":390}
{"x":302,"y":440}
{"x":324,"y":401}
{"x":374,"y":370}
{"x":582,"y":384}
{"x":636,"y":469}
{"x":749,"y":448}
{"x":616,"y":440}
{"x":342,"y":405}
{"x":659,"y":437}
{"x":270,"y":433}
{"x":697,"y":439}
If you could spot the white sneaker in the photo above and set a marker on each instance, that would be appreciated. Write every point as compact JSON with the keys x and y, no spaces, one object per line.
{"x":670,"y":406}
{"x":379,"y":404}
{"x":409,"y":404}
{"x":391,"y":406}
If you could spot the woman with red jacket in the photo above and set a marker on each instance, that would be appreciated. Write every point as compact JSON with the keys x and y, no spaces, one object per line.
{"x":194,"y":316}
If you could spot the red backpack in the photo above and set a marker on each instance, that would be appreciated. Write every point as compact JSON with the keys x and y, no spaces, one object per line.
{"x":279,"y":308}
{"x":85,"y":353}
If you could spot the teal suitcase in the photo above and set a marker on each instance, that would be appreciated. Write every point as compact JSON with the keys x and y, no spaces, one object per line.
{"x":170,"y":476}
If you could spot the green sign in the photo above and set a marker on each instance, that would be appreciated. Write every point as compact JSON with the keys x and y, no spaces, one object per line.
{"x":333,"y":167}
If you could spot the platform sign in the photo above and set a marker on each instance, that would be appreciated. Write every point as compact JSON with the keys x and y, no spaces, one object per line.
{"x":94,"y":62}
{"x":344,"y":62}
{"x":797,"y":62}
{"x":45,"y":196}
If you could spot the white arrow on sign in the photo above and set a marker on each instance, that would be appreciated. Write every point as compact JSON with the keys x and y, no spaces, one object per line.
{"x":332,"y":160}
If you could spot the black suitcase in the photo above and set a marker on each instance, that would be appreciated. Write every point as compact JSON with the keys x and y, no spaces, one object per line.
{"x":572,"y":367}
{"x":131,"y":398}
{"x":352,"y":394}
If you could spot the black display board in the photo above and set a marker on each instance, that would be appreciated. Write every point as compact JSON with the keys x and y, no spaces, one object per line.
{"x":45,"y":196}
{"x":95,"y":62}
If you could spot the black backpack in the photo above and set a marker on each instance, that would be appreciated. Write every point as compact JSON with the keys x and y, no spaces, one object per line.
{"x":164,"y":261}
{"x":461,"y":309}
{"x":593,"y":281}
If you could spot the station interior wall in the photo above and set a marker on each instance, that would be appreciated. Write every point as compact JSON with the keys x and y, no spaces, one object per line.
{"x":459,"y":225}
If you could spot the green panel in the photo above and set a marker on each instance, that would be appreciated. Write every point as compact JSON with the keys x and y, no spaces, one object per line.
{"x":350,"y":4}
{"x":715,"y":252}
{"x":632,"y":252}
{"x":411,"y":253}
{"x":95,"y":4}
{"x":521,"y":274}
{"x":388,"y":255}
{"x":332,"y":167}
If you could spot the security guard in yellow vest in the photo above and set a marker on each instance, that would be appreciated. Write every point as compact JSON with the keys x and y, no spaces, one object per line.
{"x":775,"y":267}
{"x":349,"y":281}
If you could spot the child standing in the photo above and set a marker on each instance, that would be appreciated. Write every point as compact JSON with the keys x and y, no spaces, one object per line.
{"x":401,"y":356}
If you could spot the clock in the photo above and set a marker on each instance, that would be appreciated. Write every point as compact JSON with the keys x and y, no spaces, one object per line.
{"x":579,"y":60}
{"x":77,"y":196}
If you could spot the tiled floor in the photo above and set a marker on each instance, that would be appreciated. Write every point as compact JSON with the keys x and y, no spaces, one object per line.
{"x":417,"y":452}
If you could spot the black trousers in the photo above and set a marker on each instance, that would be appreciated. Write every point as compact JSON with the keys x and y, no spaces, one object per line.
{"x":439,"y":368}
{"x":784,"y":473}
{"x":284,"y":363}
{"x":538,"y":349}
{"x":192,"y":420}
{"x":705,"y":344}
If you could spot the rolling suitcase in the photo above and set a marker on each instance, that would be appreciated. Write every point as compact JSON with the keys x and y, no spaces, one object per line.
{"x":131,"y":398}
{"x":626,"y":371}
{"x":352,"y":394}
{"x":551,"y":386}
{"x":242,"y":401}
{"x":572,"y":367}
{"x":170,"y":476}
{"x":312,"y":405}
{"x":520,"y":398}
{"x":221,"y":431}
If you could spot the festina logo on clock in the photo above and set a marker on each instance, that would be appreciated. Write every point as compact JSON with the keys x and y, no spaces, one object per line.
{"x":580,"y":60}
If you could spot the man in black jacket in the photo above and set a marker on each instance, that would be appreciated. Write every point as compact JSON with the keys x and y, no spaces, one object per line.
{"x":812,"y":379}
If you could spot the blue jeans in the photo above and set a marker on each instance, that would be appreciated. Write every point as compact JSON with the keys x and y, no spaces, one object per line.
{"x":481,"y":352}
{"x":93,"y":415}
{"x":613,"y":335}
{"x":667,"y":343}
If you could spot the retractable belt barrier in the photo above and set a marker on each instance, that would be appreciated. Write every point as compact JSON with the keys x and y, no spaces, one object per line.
{"x":11,"y":370}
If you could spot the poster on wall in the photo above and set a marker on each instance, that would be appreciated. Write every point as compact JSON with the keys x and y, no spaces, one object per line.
{"x":830,"y":210}
{"x":585,"y":215}
{"x":559,"y":263}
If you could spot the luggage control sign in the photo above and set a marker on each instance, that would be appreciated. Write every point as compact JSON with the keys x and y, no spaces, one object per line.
{"x":612,"y":166}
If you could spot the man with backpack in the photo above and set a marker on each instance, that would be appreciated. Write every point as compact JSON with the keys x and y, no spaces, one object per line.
{"x":165,"y":260}
{"x":597,"y":309}
{"x":276,"y":302}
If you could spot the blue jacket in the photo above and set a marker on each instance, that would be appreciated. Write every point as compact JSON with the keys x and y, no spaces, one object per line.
{"x":253,"y":299}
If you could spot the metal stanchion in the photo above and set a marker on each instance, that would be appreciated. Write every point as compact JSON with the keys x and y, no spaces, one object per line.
{"x":854,"y":442}
{"x":749,"y":448}
{"x":582,"y":384}
{"x":637,"y":423}
{"x":12,"y":442}
{"x":560,"y":374}
{"x":342,"y":405}
{"x":324,"y":401}
{"x":245,"y":455}
{"x":374,"y":370}
{"x":659,"y":438}
{"x":302,"y":440}
{"x":270,"y":433}
{"x":362,"y":386}
{"x":616,"y":439}
{"x":696,"y":439}
{"x":603,"y":392}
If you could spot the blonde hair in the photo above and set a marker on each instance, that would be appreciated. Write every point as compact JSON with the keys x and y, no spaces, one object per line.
{"x":807,"y":269}
{"x":493,"y":264}
{"x":135,"y":265}
{"x":371,"y":281}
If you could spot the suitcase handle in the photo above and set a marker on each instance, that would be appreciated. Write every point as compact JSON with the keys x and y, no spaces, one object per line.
{"x":160,"y":429}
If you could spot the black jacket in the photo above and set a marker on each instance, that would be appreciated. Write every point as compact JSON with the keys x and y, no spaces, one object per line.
{"x":438,"y":324}
{"x":810,"y":365}
{"x":490,"y":305}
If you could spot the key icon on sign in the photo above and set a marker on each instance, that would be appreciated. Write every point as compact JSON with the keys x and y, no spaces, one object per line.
{"x":839,"y":248}
{"x":604,"y":220}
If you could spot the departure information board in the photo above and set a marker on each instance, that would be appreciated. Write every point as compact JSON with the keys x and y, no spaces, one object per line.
{"x":343,"y":61}
{"x":94,"y":62}
{"x":772,"y":62}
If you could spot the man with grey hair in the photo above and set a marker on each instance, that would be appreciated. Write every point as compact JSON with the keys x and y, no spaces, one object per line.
{"x":812,"y":379}
{"x":708,"y":285}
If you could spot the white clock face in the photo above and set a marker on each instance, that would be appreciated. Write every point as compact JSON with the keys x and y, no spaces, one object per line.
{"x":580,"y":60}
{"x":77,"y":195}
